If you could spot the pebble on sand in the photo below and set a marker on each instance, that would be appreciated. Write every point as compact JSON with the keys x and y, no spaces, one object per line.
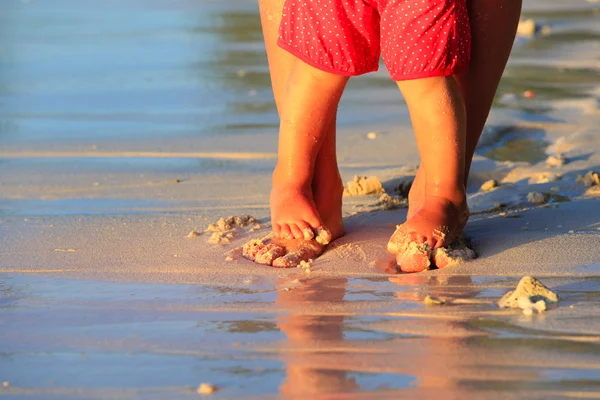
{"x":537,"y":197}
{"x":193,"y":234}
{"x":489,"y":185}
{"x":527,"y":27}
{"x":207,"y":388}
{"x":372,"y":135}
{"x":530,"y":295}
{"x":433,"y":301}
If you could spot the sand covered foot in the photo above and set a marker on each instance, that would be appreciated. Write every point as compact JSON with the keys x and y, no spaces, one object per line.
{"x":281,"y":253}
{"x":415,"y":256}
{"x":456,"y":253}
{"x":436,"y":225}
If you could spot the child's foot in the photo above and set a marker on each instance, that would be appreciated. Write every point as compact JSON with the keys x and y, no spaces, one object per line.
{"x":434,"y":224}
{"x":416,"y":194}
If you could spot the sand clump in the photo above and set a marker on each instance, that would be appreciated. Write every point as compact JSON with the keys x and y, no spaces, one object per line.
{"x":422,"y":257}
{"x":544,"y":177}
{"x":362,"y":186}
{"x":557,"y":160}
{"x":388,"y":202}
{"x":530,"y":28}
{"x":323,"y":236}
{"x":527,"y":27}
{"x":207,"y":388}
{"x":537,"y":197}
{"x":455,"y":254}
{"x":262,"y":251}
{"x":306,"y":265}
{"x":433,"y":301}
{"x":590,"y":179}
{"x":530,"y":295}
{"x":489,"y":185}
{"x":225,"y":229}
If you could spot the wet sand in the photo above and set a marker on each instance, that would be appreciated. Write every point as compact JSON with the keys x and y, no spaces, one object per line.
{"x":118,"y":137}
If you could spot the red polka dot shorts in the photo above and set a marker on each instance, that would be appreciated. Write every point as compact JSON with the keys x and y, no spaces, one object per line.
{"x":417,"y":38}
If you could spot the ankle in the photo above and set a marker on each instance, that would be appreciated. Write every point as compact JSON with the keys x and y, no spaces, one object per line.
{"x":286,"y":178}
{"x":456,"y":194}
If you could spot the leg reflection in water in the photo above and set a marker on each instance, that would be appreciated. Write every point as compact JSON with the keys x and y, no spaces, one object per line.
{"x":313,"y":338}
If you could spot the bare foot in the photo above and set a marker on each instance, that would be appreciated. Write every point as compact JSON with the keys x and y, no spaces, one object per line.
{"x":435,"y":224}
{"x":416,"y":194}
{"x":288,"y":253}
{"x":304,"y":221}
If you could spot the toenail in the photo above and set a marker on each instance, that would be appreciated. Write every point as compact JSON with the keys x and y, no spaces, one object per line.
{"x":308,"y":233}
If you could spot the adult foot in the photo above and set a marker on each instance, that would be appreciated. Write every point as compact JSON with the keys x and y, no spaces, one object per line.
{"x":303,"y":224}
{"x":289,"y":253}
{"x":438,"y":221}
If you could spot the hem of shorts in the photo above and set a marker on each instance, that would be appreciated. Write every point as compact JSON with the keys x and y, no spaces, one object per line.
{"x":430,"y":74}
{"x":297,"y":53}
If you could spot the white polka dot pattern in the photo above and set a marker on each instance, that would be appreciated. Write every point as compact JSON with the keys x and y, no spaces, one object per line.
{"x":417,"y":38}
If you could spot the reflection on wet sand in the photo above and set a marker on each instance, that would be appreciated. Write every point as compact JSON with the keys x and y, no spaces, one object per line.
{"x":306,"y":331}
{"x":320,"y":358}
{"x":453,"y":350}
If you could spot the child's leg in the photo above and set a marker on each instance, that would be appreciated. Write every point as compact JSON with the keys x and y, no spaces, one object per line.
{"x":438,"y":116}
{"x":493,"y":28}
{"x":326,"y":185}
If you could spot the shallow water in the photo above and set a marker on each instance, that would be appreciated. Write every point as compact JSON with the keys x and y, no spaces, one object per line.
{"x":93,"y":71}
{"x":82,"y":339}
{"x":181,"y":76}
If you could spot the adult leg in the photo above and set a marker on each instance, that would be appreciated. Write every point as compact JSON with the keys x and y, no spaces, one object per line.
{"x":325,"y":191}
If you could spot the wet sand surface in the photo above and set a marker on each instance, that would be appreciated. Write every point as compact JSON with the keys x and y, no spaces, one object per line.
{"x":324,"y":337}
{"x":124,"y":127}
